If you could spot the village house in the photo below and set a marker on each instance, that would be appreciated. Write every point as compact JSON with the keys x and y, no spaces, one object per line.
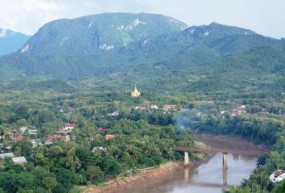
{"x":59,"y":135}
{"x":33,"y":131}
{"x":19,"y":160}
{"x":8,"y":145}
{"x":96,"y":149}
{"x":145,"y":108}
{"x":51,"y":138}
{"x":16,"y":138}
{"x":153,"y":107}
{"x":277,"y":176}
{"x":168,"y":107}
{"x":6,"y":155}
{"x":36,"y":142}
{"x":23,"y":129}
{"x":103,"y":130}
{"x":238,"y":111}
{"x":63,"y":132}
{"x":142,"y":108}
{"x":109,"y":136}
{"x":68,"y":126}
{"x":114,"y":114}
{"x":26,"y":130}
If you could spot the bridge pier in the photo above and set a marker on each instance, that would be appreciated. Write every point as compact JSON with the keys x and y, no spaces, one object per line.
{"x":186,"y":159}
{"x":225,"y":177}
{"x":225,"y":160}
{"x":186,"y":174}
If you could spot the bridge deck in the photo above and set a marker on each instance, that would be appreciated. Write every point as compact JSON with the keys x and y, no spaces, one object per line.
{"x":221,"y":150}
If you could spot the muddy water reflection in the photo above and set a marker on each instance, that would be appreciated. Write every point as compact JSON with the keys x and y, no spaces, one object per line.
{"x":209,"y":176}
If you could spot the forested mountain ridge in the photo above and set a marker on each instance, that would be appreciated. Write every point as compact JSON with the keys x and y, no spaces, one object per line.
{"x":11,"y":41}
{"x":152,"y":50}
{"x":95,"y":33}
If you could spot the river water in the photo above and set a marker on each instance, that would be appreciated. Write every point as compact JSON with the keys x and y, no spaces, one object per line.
{"x":208,"y":177}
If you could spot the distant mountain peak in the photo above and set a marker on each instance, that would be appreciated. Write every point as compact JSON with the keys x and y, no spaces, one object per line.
{"x":3,"y":33}
{"x":217,"y":30}
{"x":11,"y":41}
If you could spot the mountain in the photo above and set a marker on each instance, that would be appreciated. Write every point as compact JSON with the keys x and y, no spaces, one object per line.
{"x":11,"y":41}
{"x":98,"y":33}
{"x":85,"y":46}
{"x":117,"y":49}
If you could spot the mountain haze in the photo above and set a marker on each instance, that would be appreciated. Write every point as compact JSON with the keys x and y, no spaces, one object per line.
{"x":153,"y":50}
{"x":11,"y":41}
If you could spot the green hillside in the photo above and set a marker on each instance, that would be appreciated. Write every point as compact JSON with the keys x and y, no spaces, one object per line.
{"x":155,"y":51}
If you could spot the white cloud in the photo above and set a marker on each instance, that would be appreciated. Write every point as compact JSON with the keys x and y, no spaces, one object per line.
{"x":263,"y":16}
{"x":27,"y":15}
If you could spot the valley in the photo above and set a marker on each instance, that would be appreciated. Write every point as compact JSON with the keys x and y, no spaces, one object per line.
{"x":66,"y":107}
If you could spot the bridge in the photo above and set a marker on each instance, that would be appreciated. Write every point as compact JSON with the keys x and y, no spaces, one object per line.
{"x":220,"y":150}
{"x":225,"y":151}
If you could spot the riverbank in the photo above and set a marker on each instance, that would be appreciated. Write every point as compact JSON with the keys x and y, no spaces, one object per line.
{"x":145,"y":176}
{"x":153,"y":177}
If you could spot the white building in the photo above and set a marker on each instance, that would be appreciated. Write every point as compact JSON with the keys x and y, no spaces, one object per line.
{"x":277,"y":176}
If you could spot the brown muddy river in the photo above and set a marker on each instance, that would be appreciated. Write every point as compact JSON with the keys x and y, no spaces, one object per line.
{"x":209,"y":176}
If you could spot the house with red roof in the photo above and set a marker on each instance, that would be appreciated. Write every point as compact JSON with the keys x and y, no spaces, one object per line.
{"x":103,"y":130}
{"x":53,"y":137}
{"x":238,"y":111}
{"x":109,"y":136}
{"x":18,"y":138}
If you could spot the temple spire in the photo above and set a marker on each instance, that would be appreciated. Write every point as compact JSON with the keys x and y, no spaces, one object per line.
{"x":136,"y":92}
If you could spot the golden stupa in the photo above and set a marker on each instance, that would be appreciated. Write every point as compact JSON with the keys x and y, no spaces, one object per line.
{"x":136,"y":92}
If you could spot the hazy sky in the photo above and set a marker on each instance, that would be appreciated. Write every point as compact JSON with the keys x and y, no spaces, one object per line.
{"x":266,"y":17}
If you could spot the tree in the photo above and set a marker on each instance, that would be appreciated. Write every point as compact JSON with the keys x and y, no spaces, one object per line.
{"x":55,"y":150}
{"x":111,"y":166}
{"x":12,"y":182}
{"x":22,"y":148}
{"x":21,"y":112}
{"x":5,"y":131}
{"x":95,"y":174}
{"x":66,"y":178}
{"x":49,"y":182}
{"x":72,"y":161}
{"x":83,"y":153}
{"x":41,"y":160}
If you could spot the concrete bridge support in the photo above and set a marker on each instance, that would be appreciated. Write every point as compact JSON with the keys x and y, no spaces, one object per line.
{"x":225,"y":160}
{"x":186,"y":174}
{"x":225,"y":177}
{"x":186,"y":159}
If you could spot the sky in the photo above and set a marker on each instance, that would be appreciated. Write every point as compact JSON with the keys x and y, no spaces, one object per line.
{"x":266,"y":17}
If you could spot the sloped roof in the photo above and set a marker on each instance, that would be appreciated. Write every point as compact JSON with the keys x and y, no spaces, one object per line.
{"x":69,"y":125}
{"x":19,"y":160}
{"x":50,"y":138}
{"x":6,"y":155}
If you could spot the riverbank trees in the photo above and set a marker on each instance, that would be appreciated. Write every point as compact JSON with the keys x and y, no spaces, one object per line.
{"x":261,"y":128}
